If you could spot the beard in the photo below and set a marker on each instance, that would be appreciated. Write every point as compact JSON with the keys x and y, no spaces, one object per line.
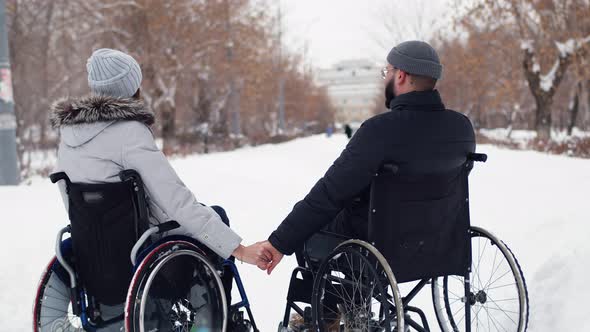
{"x":389,"y":92}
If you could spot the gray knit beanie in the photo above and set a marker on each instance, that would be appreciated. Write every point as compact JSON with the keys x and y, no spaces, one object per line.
{"x":416,"y":57}
{"x":113,"y":73}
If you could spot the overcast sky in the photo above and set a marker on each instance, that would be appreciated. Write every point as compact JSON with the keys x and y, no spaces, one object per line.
{"x":335,"y":30}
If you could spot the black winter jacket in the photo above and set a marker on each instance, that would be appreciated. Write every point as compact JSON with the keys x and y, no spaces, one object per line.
{"x":418,"y":135}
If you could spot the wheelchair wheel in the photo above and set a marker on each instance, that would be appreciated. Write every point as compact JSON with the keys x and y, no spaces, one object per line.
{"x":176,"y":288}
{"x":355,"y":290}
{"x":498,"y":295}
{"x":52,"y":310}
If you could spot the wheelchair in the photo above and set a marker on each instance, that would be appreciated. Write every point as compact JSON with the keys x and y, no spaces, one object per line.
{"x":115,"y":271}
{"x":419,"y":231}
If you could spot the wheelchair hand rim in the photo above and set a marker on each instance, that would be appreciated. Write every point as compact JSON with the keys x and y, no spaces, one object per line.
{"x":161,"y":263}
{"x":388,"y":272}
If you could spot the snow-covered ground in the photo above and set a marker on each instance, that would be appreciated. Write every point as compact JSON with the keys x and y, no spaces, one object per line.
{"x":536,"y":203}
{"x":505,"y":134}
{"x":525,"y":136}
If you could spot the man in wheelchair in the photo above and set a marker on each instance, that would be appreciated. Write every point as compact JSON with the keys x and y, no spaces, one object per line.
{"x":394,"y":208}
{"x":121,"y":192}
{"x":418,"y":135}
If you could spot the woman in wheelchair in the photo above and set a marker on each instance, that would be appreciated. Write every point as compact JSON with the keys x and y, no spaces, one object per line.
{"x":125,"y":257}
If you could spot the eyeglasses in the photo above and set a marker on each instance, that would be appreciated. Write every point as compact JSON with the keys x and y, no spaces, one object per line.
{"x":386,"y":70}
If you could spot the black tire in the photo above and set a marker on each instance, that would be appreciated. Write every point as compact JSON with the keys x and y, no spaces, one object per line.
{"x":507,"y":310}
{"x":354,"y":289}
{"x":176,"y":288}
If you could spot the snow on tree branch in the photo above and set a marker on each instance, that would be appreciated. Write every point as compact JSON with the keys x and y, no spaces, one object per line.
{"x":547,"y":80}
{"x":527,"y":45}
{"x":571,"y":46}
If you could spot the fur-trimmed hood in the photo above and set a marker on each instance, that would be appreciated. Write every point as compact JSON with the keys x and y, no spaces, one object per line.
{"x":80,"y":120}
{"x":98,"y":108}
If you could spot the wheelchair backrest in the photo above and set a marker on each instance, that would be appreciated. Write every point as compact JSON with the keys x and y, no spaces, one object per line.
{"x":106,"y":220}
{"x":420,"y":222}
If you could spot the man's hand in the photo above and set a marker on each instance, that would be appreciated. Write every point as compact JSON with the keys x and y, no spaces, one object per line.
{"x":276,"y":256}
{"x":255,"y":254}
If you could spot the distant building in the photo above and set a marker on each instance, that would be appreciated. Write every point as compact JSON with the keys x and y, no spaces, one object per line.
{"x":352,"y":86}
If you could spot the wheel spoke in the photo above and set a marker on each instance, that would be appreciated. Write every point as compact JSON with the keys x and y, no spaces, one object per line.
{"x":344,"y":288}
{"x":504,"y":311}
{"x":496,"y":287}
{"x":58,"y":291}
{"x":479,"y":261}
{"x":494,"y":320}
{"x":493,"y":266}
{"x":500,"y":277}
{"x":494,"y":270}
{"x":476,"y":317}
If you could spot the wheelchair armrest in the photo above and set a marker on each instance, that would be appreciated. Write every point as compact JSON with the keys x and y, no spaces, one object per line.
{"x":480,"y":157}
{"x":159,"y":229}
{"x":389,"y":168}
{"x":58,"y":177}
{"x":319,"y":246}
{"x":128,"y":174}
{"x":168,"y":226}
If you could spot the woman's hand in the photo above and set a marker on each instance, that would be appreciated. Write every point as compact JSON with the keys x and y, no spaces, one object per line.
{"x":255,"y":254}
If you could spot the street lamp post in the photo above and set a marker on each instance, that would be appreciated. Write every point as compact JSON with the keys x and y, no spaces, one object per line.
{"x":281,"y":122}
{"x":234,"y":87}
{"x":9,"y":171}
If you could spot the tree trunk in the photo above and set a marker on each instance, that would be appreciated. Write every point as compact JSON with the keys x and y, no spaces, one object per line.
{"x":543,"y":95}
{"x":583,"y":123}
{"x":511,"y":119}
{"x":543,"y":117}
{"x":574,"y":110}
{"x":45,"y":74}
{"x":168,"y":127}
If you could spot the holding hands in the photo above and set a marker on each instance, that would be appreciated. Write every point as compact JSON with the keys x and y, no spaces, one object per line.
{"x":261,"y":254}
{"x":276,"y":256}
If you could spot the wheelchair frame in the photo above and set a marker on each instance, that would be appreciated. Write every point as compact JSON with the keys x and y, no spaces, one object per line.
{"x":309,"y":270}
{"x":78,"y":297}
{"x":77,"y":294}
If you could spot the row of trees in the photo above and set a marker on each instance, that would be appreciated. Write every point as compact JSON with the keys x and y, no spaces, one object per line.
{"x":214,"y":70}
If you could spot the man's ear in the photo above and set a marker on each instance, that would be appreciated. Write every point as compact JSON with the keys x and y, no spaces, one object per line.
{"x":402,"y":77}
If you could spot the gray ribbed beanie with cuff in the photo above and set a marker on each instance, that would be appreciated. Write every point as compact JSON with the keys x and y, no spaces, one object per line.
{"x":416,"y":57}
{"x":113,"y":73}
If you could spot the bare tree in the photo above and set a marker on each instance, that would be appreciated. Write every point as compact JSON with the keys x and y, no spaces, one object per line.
{"x":551,"y":34}
{"x":399,"y":20}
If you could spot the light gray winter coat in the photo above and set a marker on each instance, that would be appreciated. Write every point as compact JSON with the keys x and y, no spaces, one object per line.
{"x":101,"y":135}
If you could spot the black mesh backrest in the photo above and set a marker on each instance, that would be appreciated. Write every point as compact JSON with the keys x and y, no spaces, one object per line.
{"x":420,"y":222}
{"x":106,"y":219}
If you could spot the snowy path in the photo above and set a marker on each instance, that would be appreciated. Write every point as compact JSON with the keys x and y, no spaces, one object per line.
{"x":536,"y":203}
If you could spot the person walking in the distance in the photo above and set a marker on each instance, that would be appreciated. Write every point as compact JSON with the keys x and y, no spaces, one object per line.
{"x":348,"y":130}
